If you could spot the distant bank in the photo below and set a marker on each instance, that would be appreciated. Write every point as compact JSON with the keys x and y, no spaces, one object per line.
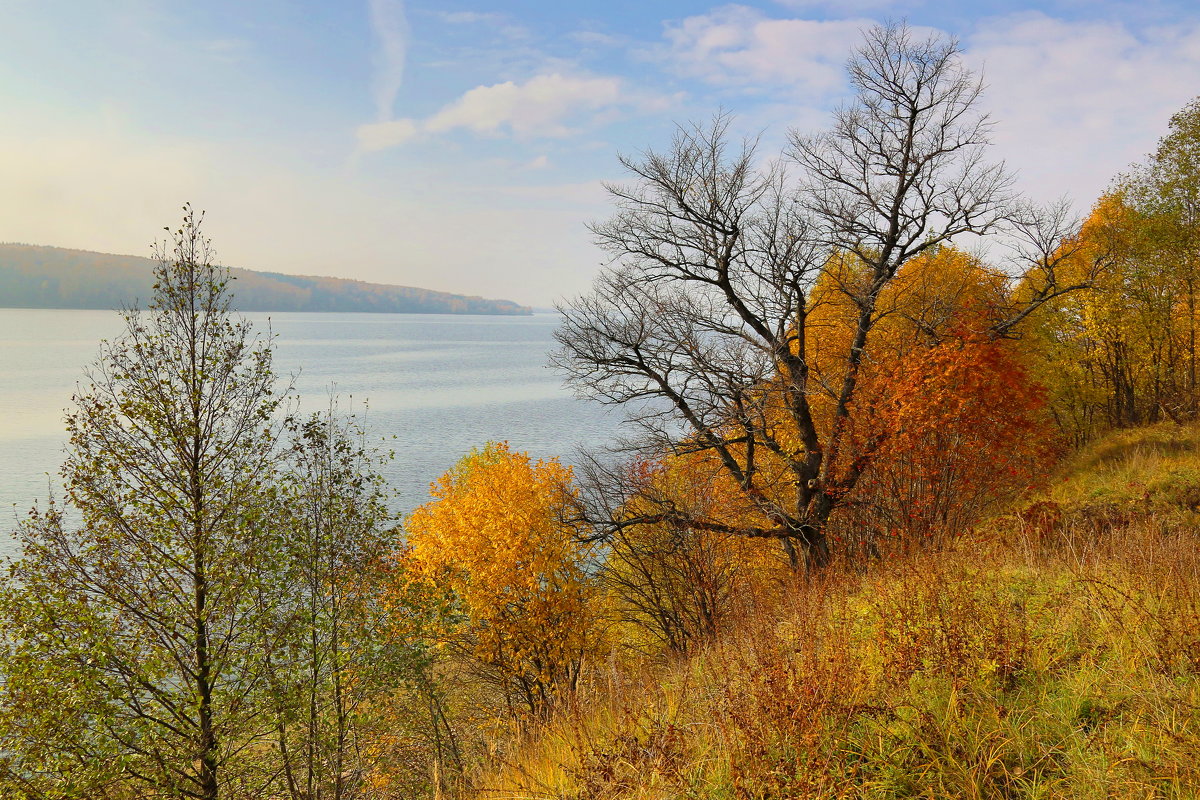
{"x":33,"y":276}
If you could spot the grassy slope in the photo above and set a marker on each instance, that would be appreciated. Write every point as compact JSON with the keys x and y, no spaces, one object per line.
{"x":1056,"y":655}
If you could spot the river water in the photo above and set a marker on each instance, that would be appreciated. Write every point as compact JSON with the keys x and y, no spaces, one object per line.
{"x":427,"y":387}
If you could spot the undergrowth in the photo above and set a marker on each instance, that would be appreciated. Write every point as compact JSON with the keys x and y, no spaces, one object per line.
{"x":1054,"y":653}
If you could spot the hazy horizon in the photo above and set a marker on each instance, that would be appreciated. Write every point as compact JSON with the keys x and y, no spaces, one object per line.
{"x":462,"y":145}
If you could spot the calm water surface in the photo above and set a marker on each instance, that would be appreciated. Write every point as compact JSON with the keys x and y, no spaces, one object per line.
{"x":439,"y":384}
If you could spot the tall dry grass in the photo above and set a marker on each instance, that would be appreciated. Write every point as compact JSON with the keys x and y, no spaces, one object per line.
{"x":1053,"y":653}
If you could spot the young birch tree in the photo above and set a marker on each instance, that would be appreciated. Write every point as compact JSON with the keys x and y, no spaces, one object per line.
{"x":338,"y":658}
{"x":136,"y":623}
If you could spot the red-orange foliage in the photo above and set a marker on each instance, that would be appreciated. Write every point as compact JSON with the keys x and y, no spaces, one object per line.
{"x":947,"y":425}
{"x":960,"y":427}
{"x":948,"y":422}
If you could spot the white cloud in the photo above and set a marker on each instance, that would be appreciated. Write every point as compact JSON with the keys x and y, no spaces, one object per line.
{"x":537,"y":107}
{"x":599,"y":39}
{"x":496,"y":23}
{"x":1077,"y":102}
{"x":551,"y":105}
{"x":389,"y":27}
{"x":383,"y":135}
{"x":741,"y":47}
{"x":540,"y":162}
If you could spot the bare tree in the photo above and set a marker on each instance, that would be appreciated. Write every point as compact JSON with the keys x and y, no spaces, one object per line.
{"x":702,"y":325}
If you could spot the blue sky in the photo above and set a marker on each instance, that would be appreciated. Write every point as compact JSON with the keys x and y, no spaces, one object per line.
{"x":461,"y":145}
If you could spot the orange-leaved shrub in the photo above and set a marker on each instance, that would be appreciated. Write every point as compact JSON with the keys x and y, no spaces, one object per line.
{"x":518,"y":582}
{"x":965,"y":430}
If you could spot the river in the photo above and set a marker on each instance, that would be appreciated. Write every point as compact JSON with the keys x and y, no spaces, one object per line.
{"x":427,"y":387}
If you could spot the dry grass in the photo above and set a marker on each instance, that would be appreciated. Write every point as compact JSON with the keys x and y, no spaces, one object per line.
{"x":1054,"y":655}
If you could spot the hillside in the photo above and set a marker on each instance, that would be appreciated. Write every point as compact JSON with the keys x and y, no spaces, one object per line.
{"x":1054,"y":654}
{"x":33,"y":276}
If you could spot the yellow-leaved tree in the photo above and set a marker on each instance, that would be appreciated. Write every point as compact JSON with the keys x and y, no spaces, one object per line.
{"x":1118,"y":355}
{"x":495,"y":540}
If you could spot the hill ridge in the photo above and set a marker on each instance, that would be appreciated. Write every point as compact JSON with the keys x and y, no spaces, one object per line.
{"x":45,"y":276}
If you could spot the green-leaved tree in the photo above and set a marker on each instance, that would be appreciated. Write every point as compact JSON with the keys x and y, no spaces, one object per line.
{"x":138,"y":622}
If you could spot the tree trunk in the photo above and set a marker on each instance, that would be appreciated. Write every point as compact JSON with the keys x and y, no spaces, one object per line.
{"x":208,"y":744}
{"x":813,"y":553}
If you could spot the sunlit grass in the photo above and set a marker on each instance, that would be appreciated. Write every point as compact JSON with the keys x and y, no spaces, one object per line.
{"x":1046,"y":656}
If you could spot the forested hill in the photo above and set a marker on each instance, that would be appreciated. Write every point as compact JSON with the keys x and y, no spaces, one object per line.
{"x":33,"y":276}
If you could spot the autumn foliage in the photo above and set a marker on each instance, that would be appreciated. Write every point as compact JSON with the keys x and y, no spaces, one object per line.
{"x":672,"y":585}
{"x":949,"y":422}
{"x":493,"y":539}
{"x":964,"y":429}
{"x":818,"y":567}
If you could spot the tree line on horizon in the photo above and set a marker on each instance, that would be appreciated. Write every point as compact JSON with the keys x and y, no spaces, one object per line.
{"x":33,"y":276}
{"x":815,"y":373}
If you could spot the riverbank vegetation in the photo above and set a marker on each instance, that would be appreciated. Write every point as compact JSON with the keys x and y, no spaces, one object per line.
{"x":893,"y":517}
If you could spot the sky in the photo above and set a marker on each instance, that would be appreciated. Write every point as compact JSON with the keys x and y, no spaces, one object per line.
{"x":462,"y":145}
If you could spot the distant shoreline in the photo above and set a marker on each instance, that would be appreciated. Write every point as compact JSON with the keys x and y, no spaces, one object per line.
{"x":241,"y":310}
{"x":37,"y":276}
